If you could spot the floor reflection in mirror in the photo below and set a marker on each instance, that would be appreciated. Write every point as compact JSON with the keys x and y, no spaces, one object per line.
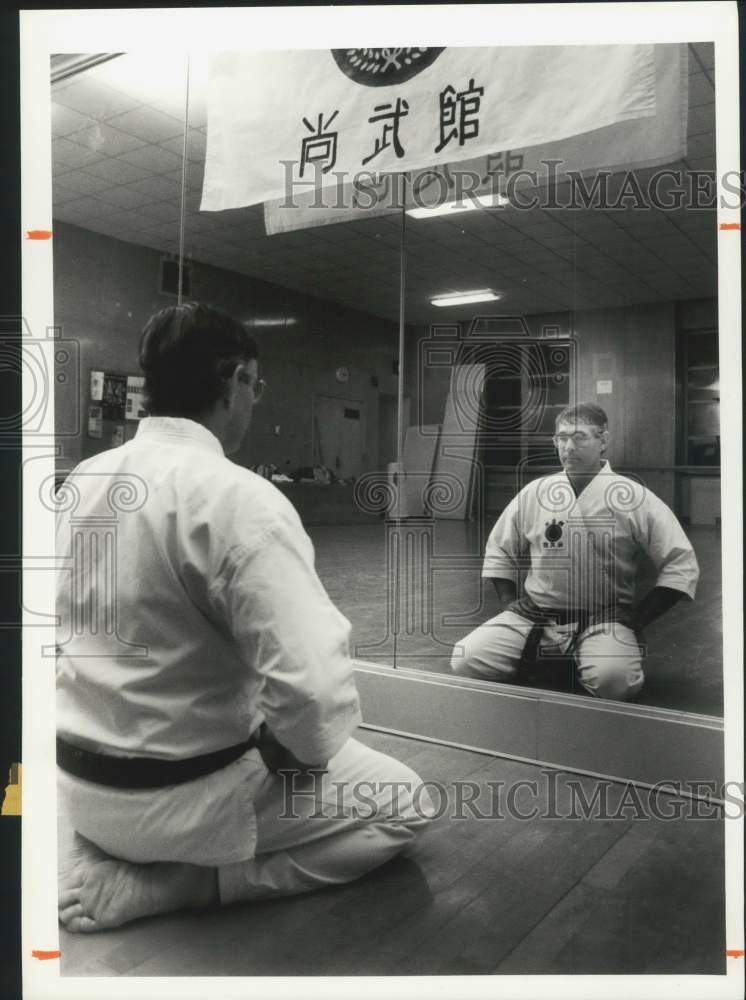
{"x":684,"y":666}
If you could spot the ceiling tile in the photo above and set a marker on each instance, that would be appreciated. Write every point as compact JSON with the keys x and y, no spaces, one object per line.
{"x":104,"y":140}
{"x":701,"y":119}
{"x":117,"y":171}
{"x":148,"y":124}
{"x":67,"y":154}
{"x":61,"y":194}
{"x":157,"y":188}
{"x":559,"y":243}
{"x":194,"y":174}
{"x":705,"y":54}
{"x":646,"y":224}
{"x":196,"y":145}
{"x":704,"y":163}
{"x":84,"y":183}
{"x":65,"y":121}
{"x":124,"y":197}
{"x":669,"y":245}
{"x":203,"y":222}
{"x":91,"y":97}
{"x":82,"y":210}
{"x":164,"y":211}
{"x":701,"y":89}
{"x":154,"y":159}
{"x":132,"y":219}
{"x":544,"y":230}
{"x":698,"y":146}
{"x":168,"y":229}
{"x":696,"y":221}
{"x":104,"y":226}
{"x":630,"y":218}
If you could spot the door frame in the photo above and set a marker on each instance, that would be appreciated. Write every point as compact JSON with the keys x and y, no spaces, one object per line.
{"x":360,"y":403}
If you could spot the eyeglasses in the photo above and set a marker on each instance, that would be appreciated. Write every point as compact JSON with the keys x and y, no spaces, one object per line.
{"x":578,"y":438}
{"x":258,"y":386}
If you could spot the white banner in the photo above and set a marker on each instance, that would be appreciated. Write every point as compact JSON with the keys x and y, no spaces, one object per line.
{"x":284,"y":122}
{"x":643,"y":142}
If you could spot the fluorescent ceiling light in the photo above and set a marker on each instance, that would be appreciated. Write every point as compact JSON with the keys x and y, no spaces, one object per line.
{"x":464,"y":298}
{"x":466,"y":204}
{"x":283,"y":321}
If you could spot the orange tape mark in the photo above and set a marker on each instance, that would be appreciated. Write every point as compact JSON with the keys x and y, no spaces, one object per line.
{"x":734,"y":952}
{"x":39,"y":234}
{"x":45,"y":955}
{"x":730,"y":225}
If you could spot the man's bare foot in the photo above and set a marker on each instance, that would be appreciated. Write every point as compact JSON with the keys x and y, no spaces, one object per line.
{"x":97,"y":892}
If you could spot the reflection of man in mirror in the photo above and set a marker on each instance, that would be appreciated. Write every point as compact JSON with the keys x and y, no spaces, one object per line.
{"x":169,"y":760}
{"x":579,"y":534}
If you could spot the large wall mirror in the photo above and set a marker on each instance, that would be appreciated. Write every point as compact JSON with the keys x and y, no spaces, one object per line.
{"x":399,"y":426}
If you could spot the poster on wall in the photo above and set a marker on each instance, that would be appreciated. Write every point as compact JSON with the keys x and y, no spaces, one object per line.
{"x":114,"y":397}
{"x":134,"y":408}
{"x":97,"y":386}
{"x":95,"y":422}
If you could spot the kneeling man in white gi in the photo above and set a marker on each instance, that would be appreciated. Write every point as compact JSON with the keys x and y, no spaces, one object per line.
{"x":198,"y":656}
{"x":579,"y":534}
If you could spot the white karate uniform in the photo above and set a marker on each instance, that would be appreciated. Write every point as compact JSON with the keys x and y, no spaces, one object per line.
{"x":190,"y":612}
{"x":580,"y":553}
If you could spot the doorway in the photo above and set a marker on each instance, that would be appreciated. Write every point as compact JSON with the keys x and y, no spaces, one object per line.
{"x":338,"y":435}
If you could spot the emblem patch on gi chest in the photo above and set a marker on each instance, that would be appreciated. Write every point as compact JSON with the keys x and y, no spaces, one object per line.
{"x":553,"y":534}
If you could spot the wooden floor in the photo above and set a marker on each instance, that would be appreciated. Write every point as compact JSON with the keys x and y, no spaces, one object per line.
{"x":684,"y":669}
{"x":473,"y":896}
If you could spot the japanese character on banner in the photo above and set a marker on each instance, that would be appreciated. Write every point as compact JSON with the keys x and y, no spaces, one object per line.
{"x":458,"y":114}
{"x":391,"y":116}
{"x":502,"y":164}
{"x":440,"y":174}
{"x":319,"y":148}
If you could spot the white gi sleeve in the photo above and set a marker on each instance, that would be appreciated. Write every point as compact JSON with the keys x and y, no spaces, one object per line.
{"x":292,"y":635}
{"x":506,"y":543}
{"x":663,"y":538}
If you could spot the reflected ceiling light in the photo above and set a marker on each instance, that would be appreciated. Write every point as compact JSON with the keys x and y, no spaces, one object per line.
{"x":468,"y":204}
{"x":464,"y":298}
{"x":159,"y":82}
{"x":283,"y":321}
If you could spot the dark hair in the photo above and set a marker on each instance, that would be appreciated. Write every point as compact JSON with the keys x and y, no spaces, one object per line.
{"x":187,"y":353}
{"x":585,"y":413}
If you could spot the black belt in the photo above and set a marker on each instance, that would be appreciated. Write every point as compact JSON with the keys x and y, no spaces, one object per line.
{"x":143,"y":772}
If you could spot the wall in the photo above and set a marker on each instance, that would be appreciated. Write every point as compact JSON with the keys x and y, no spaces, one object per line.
{"x":634,"y":348}
{"x":105,"y":289}
{"x":699,"y":314}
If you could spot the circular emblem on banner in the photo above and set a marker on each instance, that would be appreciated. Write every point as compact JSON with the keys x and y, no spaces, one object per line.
{"x":383,"y":67}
